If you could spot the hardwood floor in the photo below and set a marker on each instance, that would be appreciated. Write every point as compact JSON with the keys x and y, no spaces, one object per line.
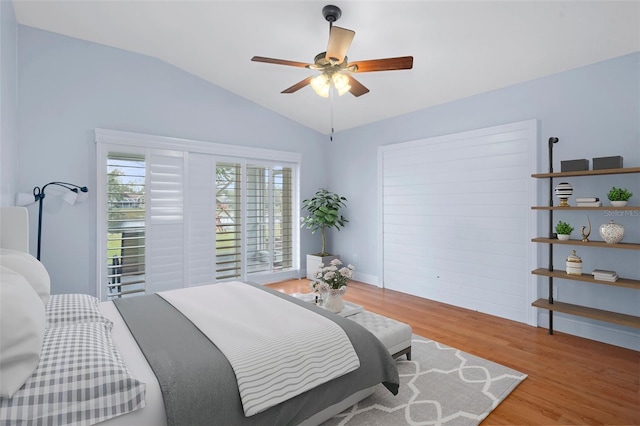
{"x":571,"y":380}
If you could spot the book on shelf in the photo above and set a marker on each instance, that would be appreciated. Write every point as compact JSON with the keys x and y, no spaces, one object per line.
{"x":603,"y":272}
{"x":589,"y":204}
{"x":587,"y":199}
{"x":608,"y":279}
{"x":604,"y":275}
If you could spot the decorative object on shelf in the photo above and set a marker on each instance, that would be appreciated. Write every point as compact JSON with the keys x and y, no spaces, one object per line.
{"x":585,"y":231}
{"x":574,"y":264}
{"x":600,"y":163}
{"x":563,"y":192}
{"x":604,"y":275}
{"x":588,"y":202}
{"x":563,"y":229}
{"x":331,"y":282}
{"x":574,"y":165}
{"x":611,"y":232}
{"x":619,"y":196}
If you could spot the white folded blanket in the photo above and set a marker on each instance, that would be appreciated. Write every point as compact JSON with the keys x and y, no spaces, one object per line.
{"x":277,"y":349}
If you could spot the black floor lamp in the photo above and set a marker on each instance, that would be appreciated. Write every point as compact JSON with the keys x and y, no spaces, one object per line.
{"x":76,"y":194}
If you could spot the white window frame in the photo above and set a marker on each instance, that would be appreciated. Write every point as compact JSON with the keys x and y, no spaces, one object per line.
{"x":114,"y":140}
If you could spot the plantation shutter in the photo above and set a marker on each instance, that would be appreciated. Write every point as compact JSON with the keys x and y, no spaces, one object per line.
{"x":201,"y":210}
{"x":283,"y":188}
{"x":165,"y":241}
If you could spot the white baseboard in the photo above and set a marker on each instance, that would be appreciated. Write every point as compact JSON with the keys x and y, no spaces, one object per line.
{"x":600,"y":333}
{"x":366,"y":278}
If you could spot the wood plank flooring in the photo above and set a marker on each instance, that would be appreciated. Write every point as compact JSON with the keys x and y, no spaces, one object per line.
{"x":571,"y":380}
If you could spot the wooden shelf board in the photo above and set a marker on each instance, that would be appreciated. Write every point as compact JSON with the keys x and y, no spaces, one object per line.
{"x":627,"y":246}
{"x":585,"y":208}
{"x":583,"y":311}
{"x":622,"y":282}
{"x":589,"y":172}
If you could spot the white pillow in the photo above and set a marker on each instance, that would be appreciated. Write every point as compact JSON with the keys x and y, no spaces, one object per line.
{"x":21,"y":331}
{"x":29,"y":267}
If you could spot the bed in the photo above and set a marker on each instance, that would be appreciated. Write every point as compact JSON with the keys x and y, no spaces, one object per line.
{"x":142,"y":378}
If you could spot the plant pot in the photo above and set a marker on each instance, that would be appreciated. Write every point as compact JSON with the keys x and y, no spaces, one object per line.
{"x":619,"y":203}
{"x":314,"y":262}
{"x":333,"y":301}
{"x":563,"y":237}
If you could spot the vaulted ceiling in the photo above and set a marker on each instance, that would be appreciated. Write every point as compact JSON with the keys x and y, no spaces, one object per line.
{"x":460,"y":48}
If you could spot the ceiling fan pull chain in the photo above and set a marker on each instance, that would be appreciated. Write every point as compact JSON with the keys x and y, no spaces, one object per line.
{"x":331,"y":111}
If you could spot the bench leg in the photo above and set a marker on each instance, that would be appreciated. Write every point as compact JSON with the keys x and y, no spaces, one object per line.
{"x":406,"y":352}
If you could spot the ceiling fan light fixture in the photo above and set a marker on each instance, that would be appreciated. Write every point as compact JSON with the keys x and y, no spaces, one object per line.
{"x":321,"y":85}
{"x":341,"y":83}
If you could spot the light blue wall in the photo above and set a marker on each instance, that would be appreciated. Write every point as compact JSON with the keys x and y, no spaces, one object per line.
{"x":594,"y":110}
{"x":68,"y":87}
{"x":8,"y":104}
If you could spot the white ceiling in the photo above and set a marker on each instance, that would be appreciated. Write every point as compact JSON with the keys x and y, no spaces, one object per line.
{"x":460,"y":48}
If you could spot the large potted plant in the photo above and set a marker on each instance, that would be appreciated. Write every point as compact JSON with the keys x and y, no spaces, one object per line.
{"x":322,"y":212}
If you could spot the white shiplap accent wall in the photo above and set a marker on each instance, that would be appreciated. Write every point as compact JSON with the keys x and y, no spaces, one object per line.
{"x":456,"y":218}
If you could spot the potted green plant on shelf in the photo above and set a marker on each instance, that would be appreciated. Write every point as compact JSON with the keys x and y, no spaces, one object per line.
{"x":619,"y":196}
{"x":322,"y":212}
{"x":563,"y":229}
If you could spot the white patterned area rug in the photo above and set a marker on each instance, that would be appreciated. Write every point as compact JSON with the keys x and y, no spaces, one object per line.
{"x":439,"y":386}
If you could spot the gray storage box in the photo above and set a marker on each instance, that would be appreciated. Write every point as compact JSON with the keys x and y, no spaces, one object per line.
{"x":574,"y":165}
{"x":614,"y":162}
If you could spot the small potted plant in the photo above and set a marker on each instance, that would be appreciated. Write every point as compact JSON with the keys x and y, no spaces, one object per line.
{"x":619,"y":196}
{"x":563,"y":229}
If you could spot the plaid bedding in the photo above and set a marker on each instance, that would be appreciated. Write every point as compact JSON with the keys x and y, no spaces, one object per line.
{"x":80,"y":380}
{"x":69,"y":309}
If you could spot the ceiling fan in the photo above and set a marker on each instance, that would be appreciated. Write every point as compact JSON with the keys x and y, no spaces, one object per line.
{"x":335,"y":68}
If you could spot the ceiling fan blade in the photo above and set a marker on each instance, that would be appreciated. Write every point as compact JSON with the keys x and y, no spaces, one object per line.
{"x":387,"y":64}
{"x":279,"y":61}
{"x":357,"y":89}
{"x":339,"y":41}
{"x":299,"y":85}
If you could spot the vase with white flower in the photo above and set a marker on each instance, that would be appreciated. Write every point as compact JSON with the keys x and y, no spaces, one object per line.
{"x":331,"y":282}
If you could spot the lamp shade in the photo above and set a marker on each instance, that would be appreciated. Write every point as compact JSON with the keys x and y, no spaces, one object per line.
{"x":70,"y":197}
{"x":24,"y":199}
{"x":83,"y":196}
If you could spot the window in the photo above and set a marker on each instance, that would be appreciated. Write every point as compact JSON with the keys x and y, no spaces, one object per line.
{"x":175,"y":213}
{"x":228,"y":221}
{"x":268,"y":213}
{"x":125,"y":225}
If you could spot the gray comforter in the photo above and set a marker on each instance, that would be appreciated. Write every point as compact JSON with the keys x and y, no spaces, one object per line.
{"x":199,"y":386}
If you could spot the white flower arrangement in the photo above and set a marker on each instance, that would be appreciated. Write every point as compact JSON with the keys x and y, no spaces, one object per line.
{"x":334,"y":276}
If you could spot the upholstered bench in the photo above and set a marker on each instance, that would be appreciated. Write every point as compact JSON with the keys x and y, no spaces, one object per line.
{"x":394,"y":335}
